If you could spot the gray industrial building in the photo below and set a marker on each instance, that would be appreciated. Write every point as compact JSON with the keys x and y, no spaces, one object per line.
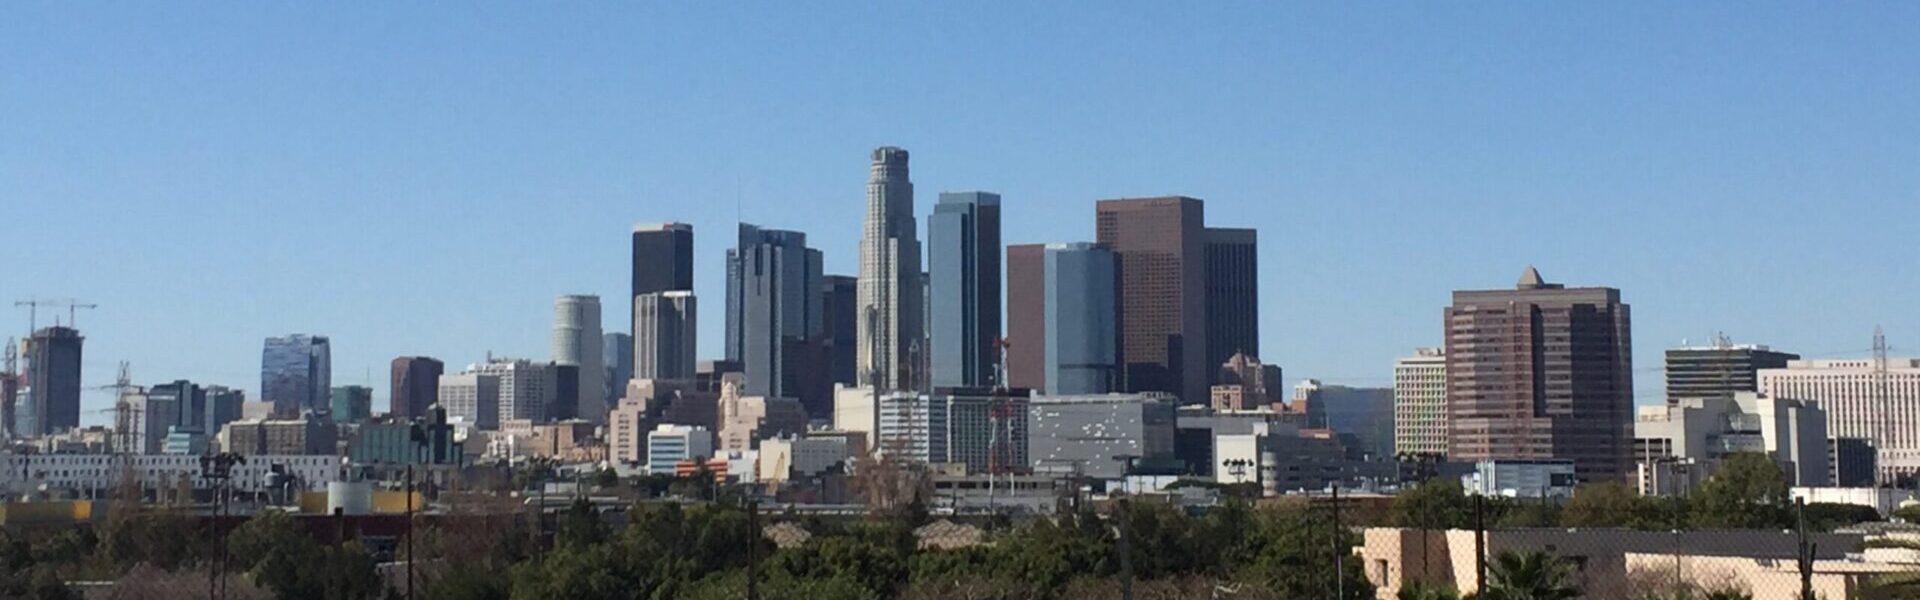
{"x":1097,"y":435}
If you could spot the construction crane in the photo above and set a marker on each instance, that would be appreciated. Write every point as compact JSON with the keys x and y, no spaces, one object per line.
{"x":33,"y":310}
{"x":125,"y":414}
{"x":10,"y":382}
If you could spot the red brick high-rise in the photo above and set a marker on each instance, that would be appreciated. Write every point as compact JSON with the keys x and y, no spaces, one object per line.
{"x":1026,"y":316}
{"x":1541,"y":371}
{"x":1159,"y":245}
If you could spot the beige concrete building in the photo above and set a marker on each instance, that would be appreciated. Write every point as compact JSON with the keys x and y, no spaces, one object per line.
{"x":1609,"y":563}
{"x":745,"y":420}
{"x":1420,"y":403}
{"x":1861,"y":400}
{"x":1773,"y":578}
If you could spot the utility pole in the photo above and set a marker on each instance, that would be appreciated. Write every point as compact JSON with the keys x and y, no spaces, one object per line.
{"x":1882,"y":408}
{"x":1339,"y":548}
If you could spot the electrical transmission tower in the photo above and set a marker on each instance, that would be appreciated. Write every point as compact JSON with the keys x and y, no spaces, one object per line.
{"x":126,"y":416}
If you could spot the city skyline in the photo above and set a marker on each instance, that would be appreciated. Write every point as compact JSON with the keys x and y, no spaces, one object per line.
{"x":1367,"y":227}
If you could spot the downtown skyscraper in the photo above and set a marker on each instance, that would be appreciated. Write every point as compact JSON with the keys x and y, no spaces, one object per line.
{"x":1160,"y":246}
{"x":775,"y":317}
{"x":577,"y":343}
{"x":662,"y":266}
{"x":1541,"y":371}
{"x":963,"y":256}
{"x":52,"y":394}
{"x":296,"y":374}
{"x":1233,"y":295}
{"x":664,"y":342}
{"x":414,"y":385}
{"x":1079,"y":313}
{"x":891,"y":285}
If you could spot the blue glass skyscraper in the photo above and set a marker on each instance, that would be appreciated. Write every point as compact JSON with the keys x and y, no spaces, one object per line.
{"x":296,"y":374}
{"x":1081,"y":337}
{"x":775,"y":317}
{"x":963,"y":252}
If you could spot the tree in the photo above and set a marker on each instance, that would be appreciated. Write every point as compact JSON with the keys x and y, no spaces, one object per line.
{"x":1747,"y":491}
{"x":1295,"y":553}
{"x":1434,"y":504}
{"x":1421,"y":590}
{"x":1828,"y":516}
{"x":606,"y":477}
{"x":1529,"y":576}
{"x":21,"y":577}
{"x":283,"y":558}
{"x":465,"y":582}
{"x":1601,"y":504}
{"x":579,"y":572}
{"x":580,"y":525}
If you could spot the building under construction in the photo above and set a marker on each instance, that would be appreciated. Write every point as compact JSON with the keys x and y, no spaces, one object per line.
{"x":51,"y":399}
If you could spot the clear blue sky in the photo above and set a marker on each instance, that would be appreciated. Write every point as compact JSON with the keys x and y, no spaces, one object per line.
{"x":424,"y":179}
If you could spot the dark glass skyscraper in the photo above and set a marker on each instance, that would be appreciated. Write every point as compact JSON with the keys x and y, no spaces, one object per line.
{"x":53,"y":382}
{"x":223,"y":407}
{"x":963,"y":254}
{"x":774,"y":294}
{"x":351,"y":403}
{"x":617,"y":350}
{"x":1160,"y":245}
{"x":1541,"y":371}
{"x":839,"y":297}
{"x":188,"y":401}
{"x":1233,"y":295}
{"x":662,"y":263}
{"x":1080,"y":356}
{"x":1719,"y":371}
{"x":662,"y":258}
{"x":415,"y":385}
{"x":296,"y":374}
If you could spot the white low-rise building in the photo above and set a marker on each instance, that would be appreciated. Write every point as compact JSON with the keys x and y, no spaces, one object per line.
{"x":668,"y":444}
{"x":1521,"y":478}
{"x":101,"y":473}
{"x":1792,"y":432}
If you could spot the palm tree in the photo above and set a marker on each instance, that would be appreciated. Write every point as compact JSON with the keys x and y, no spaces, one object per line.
{"x":1530,"y":576}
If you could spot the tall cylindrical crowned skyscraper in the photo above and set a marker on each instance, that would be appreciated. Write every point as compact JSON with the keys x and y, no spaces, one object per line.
{"x":891,"y":288}
{"x":576,"y":342}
